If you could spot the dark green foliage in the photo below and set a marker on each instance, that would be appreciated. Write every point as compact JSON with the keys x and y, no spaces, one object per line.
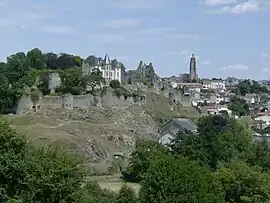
{"x":260,"y":155}
{"x":36,"y":59}
{"x":94,"y":80}
{"x":239,"y":106}
{"x":115,"y":84}
{"x":28,"y":175}
{"x":126,"y":195}
{"x":218,"y":139}
{"x":248,"y":86}
{"x":72,"y":81}
{"x":243,"y":183}
{"x":178,"y":180}
{"x":92,"y":193}
{"x":5,"y":94}
{"x":140,"y":159}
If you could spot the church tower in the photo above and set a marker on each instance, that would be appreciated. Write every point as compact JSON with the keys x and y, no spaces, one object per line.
{"x":192,"y":68}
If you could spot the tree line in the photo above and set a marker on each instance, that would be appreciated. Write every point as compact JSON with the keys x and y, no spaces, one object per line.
{"x":21,"y":70}
{"x":219,"y":163}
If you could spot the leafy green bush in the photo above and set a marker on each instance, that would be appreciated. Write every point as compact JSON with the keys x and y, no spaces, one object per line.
{"x":29,"y":175}
{"x":126,"y":195}
{"x":176,"y":179}
{"x":115,"y":84}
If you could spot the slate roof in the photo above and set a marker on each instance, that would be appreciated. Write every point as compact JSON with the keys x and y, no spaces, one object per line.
{"x":178,"y":124}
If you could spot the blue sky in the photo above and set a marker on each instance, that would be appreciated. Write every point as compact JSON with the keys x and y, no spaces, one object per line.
{"x":229,"y":37}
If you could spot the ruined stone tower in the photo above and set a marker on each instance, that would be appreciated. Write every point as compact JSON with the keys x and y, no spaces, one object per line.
{"x":192,"y":68}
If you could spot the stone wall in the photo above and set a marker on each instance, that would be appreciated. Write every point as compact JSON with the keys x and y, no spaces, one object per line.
{"x":68,"y":101}
{"x":53,"y":102}
{"x":54,"y":81}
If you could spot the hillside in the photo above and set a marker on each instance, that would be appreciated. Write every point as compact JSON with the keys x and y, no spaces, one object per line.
{"x":97,"y":133}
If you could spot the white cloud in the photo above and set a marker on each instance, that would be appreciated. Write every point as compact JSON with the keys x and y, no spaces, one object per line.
{"x":265,"y":70}
{"x":238,"y":67}
{"x":265,"y":55}
{"x":122,"y":23}
{"x":243,"y":7}
{"x":59,"y":29}
{"x":218,"y":2}
{"x":205,"y":62}
{"x":15,"y":14}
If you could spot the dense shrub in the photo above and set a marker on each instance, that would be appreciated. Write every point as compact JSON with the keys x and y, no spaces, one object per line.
{"x":115,"y":84}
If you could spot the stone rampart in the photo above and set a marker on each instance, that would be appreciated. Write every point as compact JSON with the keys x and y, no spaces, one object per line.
{"x":68,"y":101}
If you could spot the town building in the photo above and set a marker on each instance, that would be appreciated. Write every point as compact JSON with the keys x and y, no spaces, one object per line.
{"x":108,"y":70}
{"x":214,"y":84}
{"x":170,"y":130}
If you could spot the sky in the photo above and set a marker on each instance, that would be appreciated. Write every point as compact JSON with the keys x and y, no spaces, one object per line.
{"x":228,"y":37}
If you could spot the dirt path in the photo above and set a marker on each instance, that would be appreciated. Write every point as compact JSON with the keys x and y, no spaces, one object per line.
{"x":64,"y":123}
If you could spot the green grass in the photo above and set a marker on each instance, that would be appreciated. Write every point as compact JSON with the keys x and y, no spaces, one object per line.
{"x":162,"y":109}
{"x":113,"y":183}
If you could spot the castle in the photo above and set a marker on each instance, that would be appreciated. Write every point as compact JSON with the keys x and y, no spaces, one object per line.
{"x":108,"y":70}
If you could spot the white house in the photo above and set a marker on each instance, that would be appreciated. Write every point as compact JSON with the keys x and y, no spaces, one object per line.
{"x":213,"y":84}
{"x":218,"y":84}
{"x":109,"y":72}
{"x":264,"y":119}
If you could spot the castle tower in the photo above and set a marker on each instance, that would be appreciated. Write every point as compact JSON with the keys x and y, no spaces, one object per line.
{"x":108,"y":67}
{"x":192,"y":68}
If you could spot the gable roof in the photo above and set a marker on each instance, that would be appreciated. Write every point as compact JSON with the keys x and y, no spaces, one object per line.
{"x":178,"y":124}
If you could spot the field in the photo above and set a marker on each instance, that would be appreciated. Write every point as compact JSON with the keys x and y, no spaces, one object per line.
{"x":113,"y":183}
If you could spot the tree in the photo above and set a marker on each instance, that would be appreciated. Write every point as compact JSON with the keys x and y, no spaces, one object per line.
{"x":219,"y":139}
{"x":115,"y":84}
{"x":53,"y":175}
{"x":5,"y":94}
{"x":66,"y":61}
{"x":17,"y":67}
{"x":95,"y":79}
{"x":77,"y":60}
{"x":176,"y":179}
{"x":140,"y":159}
{"x":185,"y":78}
{"x":51,"y":60}
{"x":72,"y":81}
{"x":260,"y":155}
{"x":36,"y":59}
{"x":13,"y":169}
{"x":30,"y":175}
{"x":126,"y":195}
{"x":247,"y":86}
{"x":239,"y":106}
{"x":91,"y":60}
{"x":243,"y":183}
